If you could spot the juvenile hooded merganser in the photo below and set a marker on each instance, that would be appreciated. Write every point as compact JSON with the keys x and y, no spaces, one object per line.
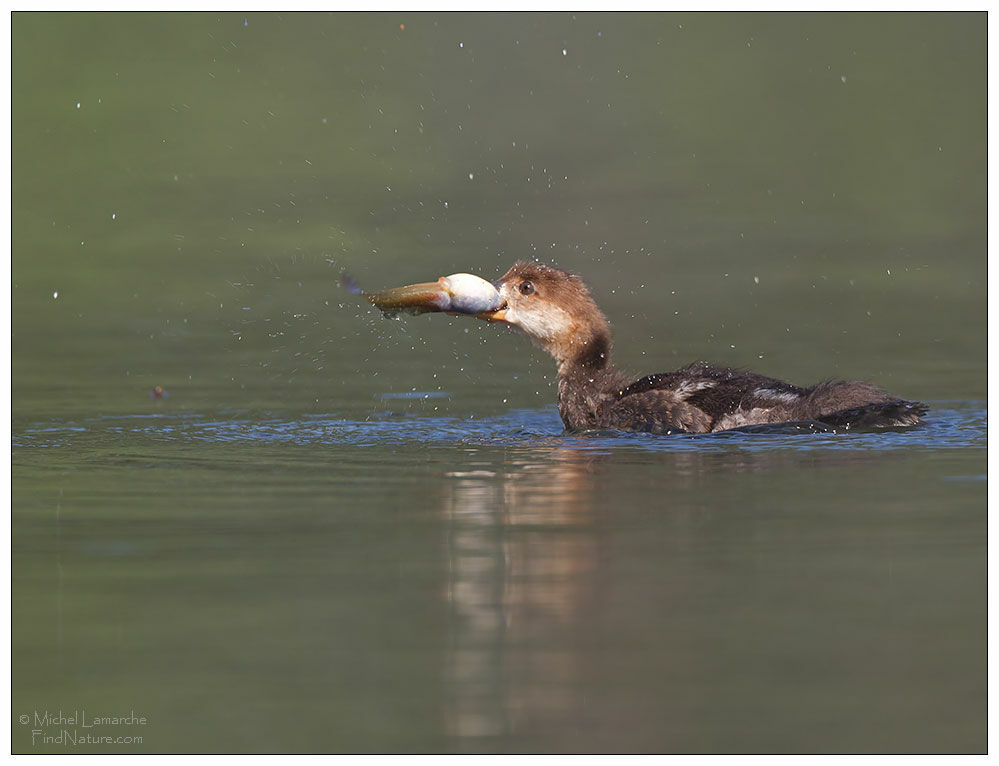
{"x":554,"y":309}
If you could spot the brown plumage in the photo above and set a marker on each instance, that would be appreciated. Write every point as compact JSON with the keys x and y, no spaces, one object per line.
{"x":554,"y":309}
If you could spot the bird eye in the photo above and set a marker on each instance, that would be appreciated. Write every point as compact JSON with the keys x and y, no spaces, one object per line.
{"x":526,"y":287}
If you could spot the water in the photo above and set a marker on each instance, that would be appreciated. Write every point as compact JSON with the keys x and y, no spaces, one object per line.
{"x":423,"y":583}
{"x":947,"y":428}
{"x":337,"y":532}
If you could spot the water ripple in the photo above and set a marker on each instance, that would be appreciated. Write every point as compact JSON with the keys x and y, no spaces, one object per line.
{"x":961,"y":426}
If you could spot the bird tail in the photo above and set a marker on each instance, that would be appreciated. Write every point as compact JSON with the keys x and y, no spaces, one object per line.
{"x":891,"y":414}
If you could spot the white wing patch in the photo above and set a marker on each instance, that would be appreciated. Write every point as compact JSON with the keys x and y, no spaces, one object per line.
{"x":741,"y":418}
{"x":785,"y":397}
{"x":770,"y":409}
{"x":691,"y":386}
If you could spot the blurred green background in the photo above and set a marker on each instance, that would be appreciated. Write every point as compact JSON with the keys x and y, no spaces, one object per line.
{"x":191,"y":186}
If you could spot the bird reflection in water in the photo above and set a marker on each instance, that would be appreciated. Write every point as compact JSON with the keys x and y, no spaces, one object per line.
{"x":536,"y":575}
{"x":522,"y":556}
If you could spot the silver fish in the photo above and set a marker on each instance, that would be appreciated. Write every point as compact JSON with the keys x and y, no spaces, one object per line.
{"x":455,"y":294}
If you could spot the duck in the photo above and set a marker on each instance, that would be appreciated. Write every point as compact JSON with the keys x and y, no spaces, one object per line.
{"x":554,"y":309}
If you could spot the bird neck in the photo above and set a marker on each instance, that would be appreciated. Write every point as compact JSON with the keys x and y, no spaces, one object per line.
{"x":588,"y":353}
{"x":586,"y":381}
{"x":589,"y":382}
